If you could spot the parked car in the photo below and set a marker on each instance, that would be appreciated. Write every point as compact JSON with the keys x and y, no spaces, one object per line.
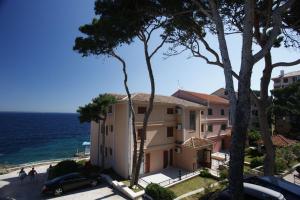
{"x":254,"y":192}
{"x":290,"y":191}
{"x":61,"y":184}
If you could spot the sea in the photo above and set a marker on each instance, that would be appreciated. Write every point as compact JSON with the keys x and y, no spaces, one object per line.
{"x":35,"y":137}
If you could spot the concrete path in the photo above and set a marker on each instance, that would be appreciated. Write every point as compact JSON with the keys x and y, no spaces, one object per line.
{"x":290,"y":178}
{"x":12,"y":188}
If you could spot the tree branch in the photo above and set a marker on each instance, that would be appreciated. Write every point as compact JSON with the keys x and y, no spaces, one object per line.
{"x":158,"y":47}
{"x":286,"y":64}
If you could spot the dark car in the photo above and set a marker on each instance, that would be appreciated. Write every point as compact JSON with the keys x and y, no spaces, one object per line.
{"x":289,"y":190}
{"x":61,"y":184}
{"x":253,"y":192}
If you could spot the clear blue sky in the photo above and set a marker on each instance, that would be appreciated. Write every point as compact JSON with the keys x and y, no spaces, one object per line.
{"x":40,"y":72}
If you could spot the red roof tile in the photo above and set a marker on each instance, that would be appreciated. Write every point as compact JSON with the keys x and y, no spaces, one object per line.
{"x":280,"y":141}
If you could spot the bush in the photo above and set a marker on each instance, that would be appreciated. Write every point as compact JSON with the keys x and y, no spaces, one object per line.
{"x":296,"y":150}
{"x":280,"y":165}
{"x":205,"y":173}
{"x":253,"y":137}
{"x":223,"y":174}
{"x":257,"y":161}
{"x":157,"y":192}
{"x":62,"y":168}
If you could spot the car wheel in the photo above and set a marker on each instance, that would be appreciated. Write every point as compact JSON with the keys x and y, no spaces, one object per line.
{"x":58,"y":191}
{"x":94,"y":183}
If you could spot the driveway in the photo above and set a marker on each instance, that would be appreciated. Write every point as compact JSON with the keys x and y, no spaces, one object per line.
{"x":12,"y":188}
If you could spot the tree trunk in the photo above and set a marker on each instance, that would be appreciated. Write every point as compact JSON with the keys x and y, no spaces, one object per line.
{"x":103,"y":144}
{"x":269,"y":161}
{"x":130,"y":103}
{"x":147,"y":114}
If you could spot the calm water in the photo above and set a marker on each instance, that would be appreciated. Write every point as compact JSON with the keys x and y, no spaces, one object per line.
{"x":30,"y":137}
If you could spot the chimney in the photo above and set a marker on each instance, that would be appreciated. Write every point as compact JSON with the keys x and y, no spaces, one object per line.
{"x":281,"y":73}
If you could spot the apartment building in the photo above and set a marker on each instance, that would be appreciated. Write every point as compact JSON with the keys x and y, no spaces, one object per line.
{"x":283,"y":80}
{"x":173,"y":136}
{"x":214,"y":119}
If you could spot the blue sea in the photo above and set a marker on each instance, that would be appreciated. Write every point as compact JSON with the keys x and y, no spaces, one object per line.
{"x":32,"y":137}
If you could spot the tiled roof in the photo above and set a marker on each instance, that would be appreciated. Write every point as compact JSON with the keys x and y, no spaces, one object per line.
{"x":280,"y":141}
{"x":197,"y":143}
{"x":295,"y":73}
{"x":202,"y":97}
{"x":143,"y":97}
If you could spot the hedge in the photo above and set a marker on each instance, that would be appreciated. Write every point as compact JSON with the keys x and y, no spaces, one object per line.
{"x":157,"y":192}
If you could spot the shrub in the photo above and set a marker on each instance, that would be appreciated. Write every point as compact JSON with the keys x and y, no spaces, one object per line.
{"x":253,"y":137}
{"x":257,"y":161}
{"x":223,"y":174}
{"x":280,"y":165}
{"x":296,"y":150}
{"x":62,"y":168}
{"x":205,"y":173}
{"x":157,"y":192}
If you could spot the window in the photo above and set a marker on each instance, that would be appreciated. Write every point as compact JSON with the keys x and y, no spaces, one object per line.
{"x":110,"y":151}
{"x":209,"y":111}
{"x":139,"y":135}
{"x":102,"y":128}
{"x":202,"y":127}
{"x":193,"y":120}
{"x":106,"y":130}
{"x":223,"y":127}
{"x":170,"y":111}
{"x":142,"y":110}
{"x":111,"y":128}
{"x":210,"y":128}
{"x":285,"y":80}
{"x":276,"y":80}
{"x":202,"y":112}
{"x":105,"y":151}
{"x":222,"y":112}
{"x":110,"y":109}
{"x":170,"y":131}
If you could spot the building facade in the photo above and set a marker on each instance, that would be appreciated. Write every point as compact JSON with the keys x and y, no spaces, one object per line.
{"x":283,"y":80}
{"x":173,"y":136}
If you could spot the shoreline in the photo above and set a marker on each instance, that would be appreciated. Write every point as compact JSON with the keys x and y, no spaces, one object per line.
{"x":7,"y":168}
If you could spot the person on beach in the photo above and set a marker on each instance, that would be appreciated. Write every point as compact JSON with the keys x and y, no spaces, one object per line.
{"x":22,"y":174}
{"x":32,"y":174}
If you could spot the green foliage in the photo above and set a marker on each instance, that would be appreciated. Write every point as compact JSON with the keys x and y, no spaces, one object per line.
{"x":157,"y":192}
{"x":257,"y":161}
{"x":97,"y":109}
{"x":205,"y":173}
{"x":224,"y":174}
{"x":296,"y":150}
{"x":62,"y":168}
{"x":253,"y":152}
{"x":286,"y":154}
{"x":253,"y":137}
{"x":280,"y":164}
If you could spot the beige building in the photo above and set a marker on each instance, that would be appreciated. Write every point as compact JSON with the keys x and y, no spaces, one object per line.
{"x":283,"y":80}
{"x":173,"y":137}
{"x":214,"y":120}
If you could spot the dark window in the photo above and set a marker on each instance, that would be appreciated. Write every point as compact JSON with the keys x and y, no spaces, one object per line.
{"x":102,"y":129}
{"x":276,"y":80}
{"x":210,"y":128}
{"x":110,"y":151}
{"x":111,"y":128}
{"x":170,"y":131}
{"x":170,"y":111}
{"x":209,"y":111}
{"x":202,"y":127}
{"x":101,"y":148}
{"x":192,"y":120}
{"x":110,"y":109}
{"x":223,"y":127}
{"x":142,"y":110}
{"x":285,"y":80}
{"x":202,"y":112}
{"x":222,"y":112}
{"x":106,"y":130}
{"x":139,"y":135}
{"x":105,"y":151}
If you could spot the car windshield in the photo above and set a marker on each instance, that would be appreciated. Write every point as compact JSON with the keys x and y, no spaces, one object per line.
{"x":293,"y":188}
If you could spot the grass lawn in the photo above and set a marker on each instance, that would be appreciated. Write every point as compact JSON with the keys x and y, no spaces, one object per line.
{"x":202,"y":195}
{"x":191,"y":184}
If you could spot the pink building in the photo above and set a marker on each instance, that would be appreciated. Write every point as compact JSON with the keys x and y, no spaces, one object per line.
{"x":214,"y":119}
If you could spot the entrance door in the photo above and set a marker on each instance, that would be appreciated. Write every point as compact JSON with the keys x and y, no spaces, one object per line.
{"x":166,"y":159}
{"x":147,"y":163}
{"x":171,"y":157}
{"x":207,"y":158}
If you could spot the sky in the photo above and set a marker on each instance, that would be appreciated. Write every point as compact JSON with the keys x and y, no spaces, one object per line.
{"x":39,"y":71}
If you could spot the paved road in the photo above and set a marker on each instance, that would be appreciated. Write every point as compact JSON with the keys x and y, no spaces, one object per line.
{"x":12,"y":188}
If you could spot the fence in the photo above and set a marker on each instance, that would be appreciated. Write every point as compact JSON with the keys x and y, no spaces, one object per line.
{"x":174,"y":180}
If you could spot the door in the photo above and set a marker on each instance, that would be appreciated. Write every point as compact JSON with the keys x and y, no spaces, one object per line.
{"x":171,"y":157}
{"x":147,"y":163}
{"x":166,"y":159}
{"x":207,"y":158}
